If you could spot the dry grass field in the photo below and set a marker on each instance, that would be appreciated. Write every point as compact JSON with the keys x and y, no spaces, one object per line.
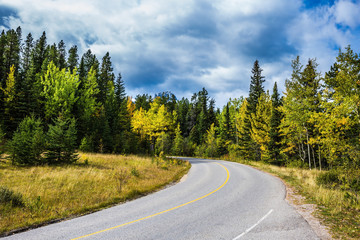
{"x":96,"y":181}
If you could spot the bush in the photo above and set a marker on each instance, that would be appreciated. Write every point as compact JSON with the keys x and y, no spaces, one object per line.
{"x":7,"y":196}
{"x":27,"y":143}
{"x":329,"y":178}
{"x":61,"y":142}
{"x":86,"y":144}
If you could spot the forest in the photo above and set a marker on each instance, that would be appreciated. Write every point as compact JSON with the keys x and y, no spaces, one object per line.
{"x":54,"y":102}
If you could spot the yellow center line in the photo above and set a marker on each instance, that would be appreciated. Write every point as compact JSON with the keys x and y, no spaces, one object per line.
{"x":165,"y":211}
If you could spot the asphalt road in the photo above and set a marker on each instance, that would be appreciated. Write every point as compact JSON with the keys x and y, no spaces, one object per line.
{"x":217,"y":200}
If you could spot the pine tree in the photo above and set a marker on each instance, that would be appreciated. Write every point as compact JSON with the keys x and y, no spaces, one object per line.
{"x":61,"y":54}
{"x":274,"y":145}
{"x":256,"y":87}
{"x":61,"y":141}
{"x":120,"y":90}
{"x":27,"y":144}
{"x":12,"y":51}
{"x":106,"y":76}
{"x":26,"y":54}
{"x":39,"y":53}
{"x":73,"y":59}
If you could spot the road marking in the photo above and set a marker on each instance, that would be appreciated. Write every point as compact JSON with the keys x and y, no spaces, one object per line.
{"x":165,"y":211}
{"x":251,"y":228}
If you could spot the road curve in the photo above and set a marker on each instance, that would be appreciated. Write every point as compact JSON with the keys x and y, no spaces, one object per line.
{"x":217,"y":200}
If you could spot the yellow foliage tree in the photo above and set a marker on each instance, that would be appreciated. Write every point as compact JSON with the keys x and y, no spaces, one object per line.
{"x":260,"y":124}
{"x":153,"y":122}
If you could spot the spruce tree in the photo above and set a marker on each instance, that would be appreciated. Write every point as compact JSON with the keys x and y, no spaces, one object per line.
{"x":12,"y":52}
{"x":61,"y":54}
{"x":275,"y":120}
{"x":256,"y":87}
{"x":73,"y":59}
{"x":27,"y":144}
{"x":39,"y":53}
{"x":26,"y":53}
{"x":61,"y":141}
{"x":106,"y":76}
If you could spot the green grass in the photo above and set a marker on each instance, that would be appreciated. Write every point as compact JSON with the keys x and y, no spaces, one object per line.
{"x":96,"y":181}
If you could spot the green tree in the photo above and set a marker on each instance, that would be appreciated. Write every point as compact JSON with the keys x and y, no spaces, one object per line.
{"x":62,"y":54}
{"x":300,"y":103}
{"x":59,"y":92}
{"x":106,"y":76}
{"x":61,"y":141}
{"x":177,"y":149}
{"x":274,"y":144}
{"x":260,"y":125}
{"x":73,"y":58}
{"x":339,"y":120}
{"x":27,"y":144}
{"x":256,"y":87}
{"x":211,"y":142}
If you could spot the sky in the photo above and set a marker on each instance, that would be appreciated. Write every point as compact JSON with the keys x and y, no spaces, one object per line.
{"x":182,"y":46}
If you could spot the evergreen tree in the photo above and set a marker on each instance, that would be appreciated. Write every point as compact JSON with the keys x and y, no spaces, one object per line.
{"x":274,"y":145}
{"x":12,"y":51}
{"x":73,"y":59}
{"x":27,"y":144}
{"x":61,"y":54}
{"x":106,"y":76}
{"x":256,"y":87}
{"x":2,"y":59}
{"x":26,"y":54}
{"x":39,"y":53}
{"x":120,"y":90}
{"x":61,"y":141}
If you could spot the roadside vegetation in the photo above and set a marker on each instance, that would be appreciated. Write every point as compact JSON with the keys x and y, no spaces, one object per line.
{"x":31,"y":195}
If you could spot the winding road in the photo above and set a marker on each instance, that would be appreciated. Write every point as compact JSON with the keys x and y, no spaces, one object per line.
{"x":216,"y":200}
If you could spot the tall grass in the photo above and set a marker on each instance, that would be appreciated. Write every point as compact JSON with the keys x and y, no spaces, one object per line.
{"x":338,"y":208}
{"x":96,"y":181}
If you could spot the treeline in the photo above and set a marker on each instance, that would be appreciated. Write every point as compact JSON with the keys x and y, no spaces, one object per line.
{"x":48,"y":94}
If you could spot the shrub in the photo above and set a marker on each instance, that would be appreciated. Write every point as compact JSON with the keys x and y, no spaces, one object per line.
{"x":329,"y":178}
{"x":7,"y":196}
{"x":86,"y":144}
{"x":135,"y":172}
{"x":27,"y":143}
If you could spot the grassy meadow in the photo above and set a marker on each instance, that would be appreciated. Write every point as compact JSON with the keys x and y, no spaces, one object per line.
{"x":43,"y":193}
{"x":337,"y":208}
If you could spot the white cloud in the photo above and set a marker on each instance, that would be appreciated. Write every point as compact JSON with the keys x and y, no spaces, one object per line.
{"x":347,"y":13}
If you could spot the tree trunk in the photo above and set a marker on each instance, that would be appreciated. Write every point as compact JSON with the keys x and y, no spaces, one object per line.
{"x":319,"y":157}
{"x":307,"y":138}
